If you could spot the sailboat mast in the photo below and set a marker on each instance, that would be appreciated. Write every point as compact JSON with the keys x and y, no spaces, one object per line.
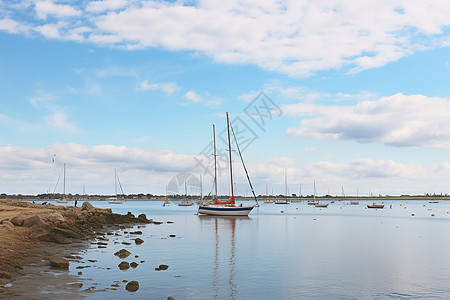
{"x":64,"y":185}
{"x":115,"y":181}
{"x":314,"y":189}
{"x":229,"y":146}
{"x":201,"y":187}
{"x":215,"y":163}
{"x":285,"y":182}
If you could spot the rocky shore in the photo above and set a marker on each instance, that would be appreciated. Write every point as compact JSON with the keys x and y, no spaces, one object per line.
{"x":27,"y":229}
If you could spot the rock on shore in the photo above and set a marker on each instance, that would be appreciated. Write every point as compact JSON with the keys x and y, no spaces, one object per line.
{"x":25,"y":227}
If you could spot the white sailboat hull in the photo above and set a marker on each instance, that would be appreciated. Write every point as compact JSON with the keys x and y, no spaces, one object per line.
{"x":225,"y":210}
{"x":281,"y":202}
{"x":61,"y":201}
{"x":115,"y":201}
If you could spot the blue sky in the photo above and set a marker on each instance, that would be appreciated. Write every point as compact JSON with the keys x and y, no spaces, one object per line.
{"x":360,"y":93}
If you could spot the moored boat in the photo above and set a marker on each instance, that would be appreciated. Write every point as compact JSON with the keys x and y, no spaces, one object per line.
{"x":117,"y":199}
{"x":374,"y":205}
{"x":229,"y":207}
{"x":63,"y":199}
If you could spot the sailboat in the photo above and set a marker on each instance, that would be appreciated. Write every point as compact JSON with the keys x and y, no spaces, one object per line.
{"x":268,"y":200}
{"x":285,"y":201}
{"x":185,"y":203}
{"x":313,"y":201}
{"x":374,"y":205}
{"x":318,"y":204}
{"x":226,"y":208}
{"x":117,"y":199}
{"x":63,"y":199}
{"x":356,"y":202}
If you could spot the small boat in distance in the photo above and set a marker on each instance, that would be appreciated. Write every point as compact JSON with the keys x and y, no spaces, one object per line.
{"x":118,"y":199}
{"x":374,"y":205}
{"x":285,"y":201}
{"x":313,"y":201}
{"x":63,"y":199}
{"x":318,"y":204}
{"x":226,"y":208}
{"x":185,"y":203}
{"x":356,"y":202}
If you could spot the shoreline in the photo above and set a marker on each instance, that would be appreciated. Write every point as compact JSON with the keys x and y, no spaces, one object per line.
{"x":259,"y":198}
{"x":32,"y":234}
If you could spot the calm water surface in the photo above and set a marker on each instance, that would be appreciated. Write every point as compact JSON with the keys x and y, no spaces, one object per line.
{"x":290,"y":251}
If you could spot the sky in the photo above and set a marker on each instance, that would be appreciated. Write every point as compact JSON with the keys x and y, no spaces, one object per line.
{"x":351,"y":95}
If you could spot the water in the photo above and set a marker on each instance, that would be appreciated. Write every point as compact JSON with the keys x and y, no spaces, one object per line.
{"x":290,"y":251}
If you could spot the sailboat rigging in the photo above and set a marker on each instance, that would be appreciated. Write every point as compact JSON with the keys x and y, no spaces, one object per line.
{"x":228,"y":207}
{"x":63,"y":199}
{"x":355,"y":202}
{"x":117,"y":199}
{"x":318,"y":204}
{"x":285,"y":201}
{"x":185,"y":202}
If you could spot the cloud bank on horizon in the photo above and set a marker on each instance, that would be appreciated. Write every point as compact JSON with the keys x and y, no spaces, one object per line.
{"x":292,"y":37}
{"x":93,"y":168}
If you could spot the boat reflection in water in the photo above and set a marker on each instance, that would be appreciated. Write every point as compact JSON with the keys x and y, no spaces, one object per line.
{"x":223,"y":282}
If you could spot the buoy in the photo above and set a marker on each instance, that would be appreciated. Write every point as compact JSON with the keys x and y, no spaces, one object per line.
{"x":432,"y":215}
{"x":412,"y":215}
{"x":282,"y":211}
{"x":400,"y":204}
{"x":297,"y":208}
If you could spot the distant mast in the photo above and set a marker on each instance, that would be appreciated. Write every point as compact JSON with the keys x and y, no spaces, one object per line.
{"x":64,"y":185}
{"x":285,"y":182}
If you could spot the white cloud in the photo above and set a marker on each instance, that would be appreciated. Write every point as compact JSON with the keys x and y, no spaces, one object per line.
{"x":100,"y":6}
{"x":50,"y":30}
{"x":294,"y":37}
{"x":248,"y":97}
{"x":397,"y":120}
{"x":46,"y":8}
{"x":193,"y":96}
{"x":59,"y":121}
{"x":12,"y":26}
{"x":206,"y":100}
{"x":283,"y":162}
{"x":30,"y":170}
{"x":42,"y":99}
{"x":167,"y":88}
{"x":378,"y":176}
